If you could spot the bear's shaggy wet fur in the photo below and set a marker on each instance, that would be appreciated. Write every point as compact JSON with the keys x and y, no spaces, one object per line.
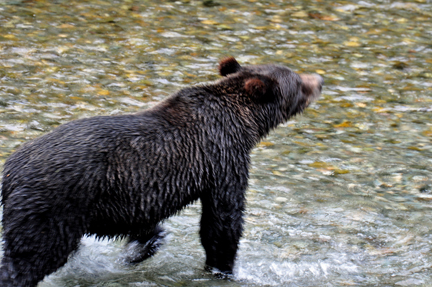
{"x":122,"y":175}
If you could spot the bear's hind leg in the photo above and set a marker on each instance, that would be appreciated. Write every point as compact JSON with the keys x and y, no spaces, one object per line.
{"x":141,"y":247}
{"x":34,"y":253}
{"x":36,"y":243}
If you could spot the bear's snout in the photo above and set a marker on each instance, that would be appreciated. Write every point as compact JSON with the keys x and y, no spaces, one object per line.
{"x":311,"y":86}
{"x":320,"y":81}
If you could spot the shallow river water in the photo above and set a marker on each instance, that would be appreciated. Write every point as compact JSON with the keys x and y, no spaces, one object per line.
{"x":339,"y":196}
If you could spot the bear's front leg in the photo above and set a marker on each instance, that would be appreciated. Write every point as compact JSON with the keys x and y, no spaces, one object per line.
{"x":221,"y":228}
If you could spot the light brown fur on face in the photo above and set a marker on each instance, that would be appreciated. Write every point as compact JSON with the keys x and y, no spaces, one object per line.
{"x":311,"y":86}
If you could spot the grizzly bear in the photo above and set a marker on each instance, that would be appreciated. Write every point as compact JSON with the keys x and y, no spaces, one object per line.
{"x":120,"y":176}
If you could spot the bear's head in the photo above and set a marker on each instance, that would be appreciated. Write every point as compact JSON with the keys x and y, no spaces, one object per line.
{"x":277,"y":93}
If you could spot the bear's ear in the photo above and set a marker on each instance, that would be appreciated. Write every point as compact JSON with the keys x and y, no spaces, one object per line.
{"x":255,"y":87}
{"x":228,"y":66}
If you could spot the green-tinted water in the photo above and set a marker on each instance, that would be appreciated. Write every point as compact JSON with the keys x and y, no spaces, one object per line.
{"x":339,"y":196}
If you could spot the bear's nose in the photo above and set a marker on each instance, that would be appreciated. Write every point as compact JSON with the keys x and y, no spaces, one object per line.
{"x":320,"y":81}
